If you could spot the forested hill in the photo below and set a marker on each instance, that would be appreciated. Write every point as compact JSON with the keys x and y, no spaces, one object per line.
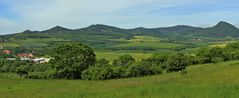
{"x":101,"y":32}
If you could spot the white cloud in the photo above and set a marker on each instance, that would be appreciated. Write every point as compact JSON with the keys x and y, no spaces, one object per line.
{"x":8,"y":26}
{"x":43,"y":14}
{"x":71,"y":13}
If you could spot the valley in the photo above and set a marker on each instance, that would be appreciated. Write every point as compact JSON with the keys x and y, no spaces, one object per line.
{"x":109,"y":38}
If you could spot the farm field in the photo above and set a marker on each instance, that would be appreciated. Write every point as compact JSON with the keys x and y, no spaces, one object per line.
{"x":219,"y":80}
{"x":137,"y":42}
{"x":147,"y":41}
{"x":38,"y":40}
{"x":9,"y":44}
{"x":114,"y":55}
{"x":150,"y":44}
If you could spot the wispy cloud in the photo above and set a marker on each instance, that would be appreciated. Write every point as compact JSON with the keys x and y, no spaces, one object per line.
{"x":17,"y":15}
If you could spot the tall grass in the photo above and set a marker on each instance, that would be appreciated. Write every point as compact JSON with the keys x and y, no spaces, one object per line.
{"x":202,"y":81}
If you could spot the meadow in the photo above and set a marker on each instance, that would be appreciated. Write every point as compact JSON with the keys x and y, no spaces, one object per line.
{"x":9,"y":44}
{"x":114,"y":55}
{"x":219,"y":80}
{"x":141,"y":43}
{"x":147,"y":41}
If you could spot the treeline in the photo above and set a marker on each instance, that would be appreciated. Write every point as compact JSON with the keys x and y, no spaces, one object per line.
{"x":126,"y":66}
{"x":13,"y":66}
{"x":218,"y":54}
{"x":78,"y":61}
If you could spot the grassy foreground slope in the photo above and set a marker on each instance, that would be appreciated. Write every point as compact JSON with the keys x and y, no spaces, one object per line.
{"x":202,"y":81}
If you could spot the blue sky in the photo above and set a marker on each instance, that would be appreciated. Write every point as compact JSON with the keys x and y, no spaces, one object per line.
{"x":19,"y":15}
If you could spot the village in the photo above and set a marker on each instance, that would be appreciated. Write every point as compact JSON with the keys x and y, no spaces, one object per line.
{"x":25,"y":57}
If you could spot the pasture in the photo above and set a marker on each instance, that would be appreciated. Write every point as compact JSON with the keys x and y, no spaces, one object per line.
{"x":114,"y":55}
{"x":219,"y":80}
{"x":147,"y":41}
{"x":9,"y":44}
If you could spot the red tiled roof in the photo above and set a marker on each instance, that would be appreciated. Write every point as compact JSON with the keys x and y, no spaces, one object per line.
{"x":7,"y":51}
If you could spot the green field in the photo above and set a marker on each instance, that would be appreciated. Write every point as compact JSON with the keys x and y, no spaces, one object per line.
{"x":202,"y":81}
{"x":150,"y":44}
{"x":146,"y":41}
{"x":9,"y":45}
{"x":42,"y":40}
{"x":136,"y":43}
{"x":114,"y":55}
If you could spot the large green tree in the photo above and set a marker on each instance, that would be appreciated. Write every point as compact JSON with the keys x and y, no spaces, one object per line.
{"x":71,"y":59}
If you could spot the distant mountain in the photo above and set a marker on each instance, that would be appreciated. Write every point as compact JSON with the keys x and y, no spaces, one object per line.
{"x":101,"y":32}
{"x":179,"y":29}
{"x":222,"y":29}
{"x":57,"y":29}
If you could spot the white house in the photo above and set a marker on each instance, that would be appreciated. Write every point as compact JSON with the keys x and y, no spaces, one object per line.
{"x":41,"y":60}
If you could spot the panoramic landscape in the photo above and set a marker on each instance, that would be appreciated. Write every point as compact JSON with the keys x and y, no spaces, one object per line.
{"x":119,"y":49}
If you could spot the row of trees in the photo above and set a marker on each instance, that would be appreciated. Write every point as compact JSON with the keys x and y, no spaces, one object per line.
{"x":218,"y":54}
{"x":24,"y":67}
{"x":126,"y":66}
{"x":78,"y":61}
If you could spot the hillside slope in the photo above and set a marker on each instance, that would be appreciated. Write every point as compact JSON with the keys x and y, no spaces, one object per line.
{"x":202,"y":81}
{"x":222,"y":29}
{"x":102,"y":32}
{"x":103,"y":37}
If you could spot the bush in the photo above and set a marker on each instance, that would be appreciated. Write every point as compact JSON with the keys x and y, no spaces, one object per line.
{"x":101,"y":71}
{"x":200,"y":60}
{"x":6,"y":68}
{"x":22,"y":72}
{"x":14,"y":66}
{"x":217,"y":59}
{"x":210,"y":55}
{"x":232,"y":51}
{"x":118,"y":72}
{"x":102,"y":62}
{"x":98,"y":73}
{"x":41,"y":67}
{"x":177,"y":62}
{"x":124,"y":60}
{"x":140,"y":69}
{"x":156,"y":59}
{"x":156,"y":70}
{"x":137,"y":70}
{"x":38,"y":75}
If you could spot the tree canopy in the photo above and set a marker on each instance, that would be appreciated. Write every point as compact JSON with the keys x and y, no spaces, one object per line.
{"x":71,"y":59}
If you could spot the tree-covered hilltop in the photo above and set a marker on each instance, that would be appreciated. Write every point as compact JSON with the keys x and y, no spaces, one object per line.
{"x":103,"y":37}
{"x":101,"y":32}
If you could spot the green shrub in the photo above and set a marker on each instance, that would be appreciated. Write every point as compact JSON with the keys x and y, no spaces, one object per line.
{"x":124,"y":60}
{"x":41,"y":67}
{"x":140,"y":69}
{"x":98,"y":73}
{"x":156,"y":70}
{"x":217,"y":59}
{"x":22,"y":72}
{"x":118,"y":72}
{"x":210,"y":55}
{"x":38,"y":75}
{"x":177,"y":62}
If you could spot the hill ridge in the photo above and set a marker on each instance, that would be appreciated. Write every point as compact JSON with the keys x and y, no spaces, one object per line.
{"x":103,"y":32}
